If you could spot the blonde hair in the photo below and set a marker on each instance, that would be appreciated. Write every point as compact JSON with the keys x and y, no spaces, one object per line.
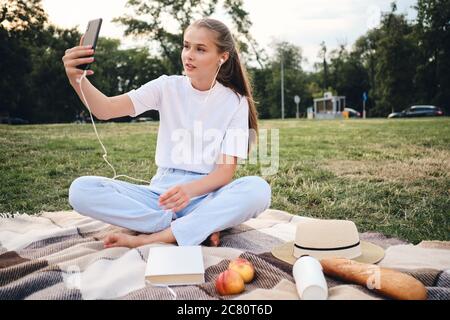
{"x":233,"y":73}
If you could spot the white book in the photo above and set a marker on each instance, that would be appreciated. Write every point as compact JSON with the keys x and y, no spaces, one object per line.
{"x":173,"y":265}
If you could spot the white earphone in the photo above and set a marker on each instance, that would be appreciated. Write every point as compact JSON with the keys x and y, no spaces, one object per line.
{"x":221,"y":61}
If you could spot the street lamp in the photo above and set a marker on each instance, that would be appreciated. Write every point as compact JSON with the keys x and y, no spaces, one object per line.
{"x":282,"y":88}
{"x":365,"y":97}
{"x":297,"y":101}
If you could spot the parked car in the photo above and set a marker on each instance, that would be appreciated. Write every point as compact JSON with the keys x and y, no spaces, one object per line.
{"x":142,"y":119}
{"x":352,"y":113}
{"x":13,"y":120}
{"x":418,"y":111}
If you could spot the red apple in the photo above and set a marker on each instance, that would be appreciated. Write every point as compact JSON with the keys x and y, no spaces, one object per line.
{"x":229,"y":282}
{"x":244,"y":268}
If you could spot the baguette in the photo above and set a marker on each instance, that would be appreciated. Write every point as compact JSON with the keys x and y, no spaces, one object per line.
{"x":387,"y":282}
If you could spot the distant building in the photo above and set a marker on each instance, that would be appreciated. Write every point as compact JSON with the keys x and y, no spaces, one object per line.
{"x":329,"y":107}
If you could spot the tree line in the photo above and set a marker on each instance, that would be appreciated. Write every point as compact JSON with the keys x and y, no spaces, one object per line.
{"x":399,"y":63}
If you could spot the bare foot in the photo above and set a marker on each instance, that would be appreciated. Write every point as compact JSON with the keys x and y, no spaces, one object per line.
{"x":120,"y":240}
{"x":213,"y":240}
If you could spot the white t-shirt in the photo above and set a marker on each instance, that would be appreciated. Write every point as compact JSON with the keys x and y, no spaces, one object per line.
{"x":192,"y":133}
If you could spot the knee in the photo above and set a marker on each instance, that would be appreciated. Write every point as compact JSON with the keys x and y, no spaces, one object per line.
{"x":79,"y":190}
{"x":259,"y":190}
{"x":75,"y":190}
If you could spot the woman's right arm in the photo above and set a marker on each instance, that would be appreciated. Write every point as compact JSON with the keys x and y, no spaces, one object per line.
{"x":102,"y":107}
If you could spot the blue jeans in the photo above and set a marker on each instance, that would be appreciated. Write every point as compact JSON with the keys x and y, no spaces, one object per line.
{"x":136,"y":207}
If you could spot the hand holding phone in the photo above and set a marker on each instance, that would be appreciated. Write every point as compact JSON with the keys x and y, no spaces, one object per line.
{"x":90,"y":38}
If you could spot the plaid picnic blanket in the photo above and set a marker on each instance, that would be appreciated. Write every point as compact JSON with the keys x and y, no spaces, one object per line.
{"x":60,"y":255}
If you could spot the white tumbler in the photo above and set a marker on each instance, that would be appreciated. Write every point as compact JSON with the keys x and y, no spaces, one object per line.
{"x":309,"y":279}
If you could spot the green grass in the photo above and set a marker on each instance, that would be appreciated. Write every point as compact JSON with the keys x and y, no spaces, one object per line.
{"x":390,"y":176}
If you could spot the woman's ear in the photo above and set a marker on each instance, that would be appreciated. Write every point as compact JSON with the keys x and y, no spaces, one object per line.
{"x":224,"y":58}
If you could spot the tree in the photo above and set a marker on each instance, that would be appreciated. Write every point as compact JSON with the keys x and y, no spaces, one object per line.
{"x":148,"y":21}
{"x":21,"y":23}
{"x":24,"y":16}
{"x":349,"y":75}
{"x":365,"y":49}
{"x":396,"y":62}
{"x":324,"y":66}
{"x":260,"y":78}
{"x":294,"y":80}
{"x":433,"y":35}
{"x":49,"y":96}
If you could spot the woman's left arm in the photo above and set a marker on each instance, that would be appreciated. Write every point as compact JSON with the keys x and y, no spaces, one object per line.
{"x":178,"y":197}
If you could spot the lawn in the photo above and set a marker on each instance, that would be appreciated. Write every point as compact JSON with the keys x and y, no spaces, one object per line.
{"x":390,"y":176}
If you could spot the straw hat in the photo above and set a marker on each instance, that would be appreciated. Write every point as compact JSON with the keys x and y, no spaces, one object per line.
{"x":328,"y":238}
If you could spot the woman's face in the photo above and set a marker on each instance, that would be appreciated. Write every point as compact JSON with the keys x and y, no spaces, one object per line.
{"x":200,"y":56}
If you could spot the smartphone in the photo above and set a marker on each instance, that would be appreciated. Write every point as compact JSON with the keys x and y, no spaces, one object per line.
{"x":90,"y":38}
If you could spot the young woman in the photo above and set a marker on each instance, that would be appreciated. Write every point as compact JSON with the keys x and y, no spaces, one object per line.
{"x":193,"y":195}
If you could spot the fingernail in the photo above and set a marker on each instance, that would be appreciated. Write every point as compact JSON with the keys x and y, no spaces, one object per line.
{"x":88,"y":46}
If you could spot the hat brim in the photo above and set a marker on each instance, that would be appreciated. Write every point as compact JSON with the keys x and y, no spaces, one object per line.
{"x":371,"y":253}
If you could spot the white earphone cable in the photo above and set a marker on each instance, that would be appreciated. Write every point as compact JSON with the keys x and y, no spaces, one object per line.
{"x":172,"y":292}
{"x":215,"y":76}
{"x":105,"y":155}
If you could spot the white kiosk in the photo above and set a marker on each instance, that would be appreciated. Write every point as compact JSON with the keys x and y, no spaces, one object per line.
{"x":329,"y":107}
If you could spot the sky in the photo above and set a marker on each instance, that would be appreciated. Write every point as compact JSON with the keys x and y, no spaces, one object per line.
{"x":305,"y":23}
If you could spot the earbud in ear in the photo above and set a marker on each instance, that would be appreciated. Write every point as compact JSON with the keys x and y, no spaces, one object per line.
{"x":221,"y":61}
